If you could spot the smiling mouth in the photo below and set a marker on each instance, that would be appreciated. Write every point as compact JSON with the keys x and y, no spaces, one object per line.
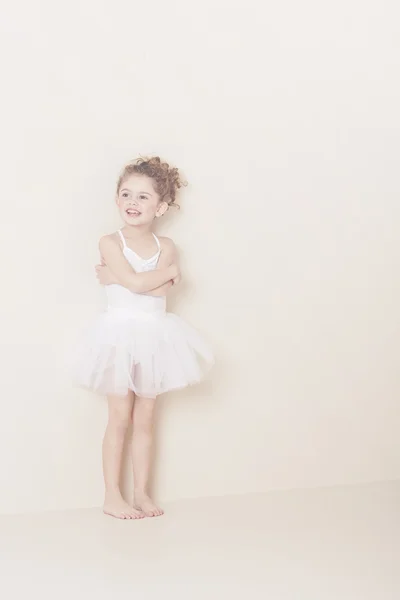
{"x":131,"y":212}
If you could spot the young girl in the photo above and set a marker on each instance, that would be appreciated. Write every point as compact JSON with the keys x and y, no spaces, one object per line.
{"x":136,"y":351}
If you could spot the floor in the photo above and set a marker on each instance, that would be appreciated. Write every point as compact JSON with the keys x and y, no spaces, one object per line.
{"x":339,"y":543}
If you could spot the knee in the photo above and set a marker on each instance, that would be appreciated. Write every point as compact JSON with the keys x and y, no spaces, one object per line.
{"x":119,"y":420}
{"x":143,"y":416}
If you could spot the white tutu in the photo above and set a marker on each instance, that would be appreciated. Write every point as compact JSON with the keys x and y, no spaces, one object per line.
{"x":148,"y":353}
{"x":137,"y":346}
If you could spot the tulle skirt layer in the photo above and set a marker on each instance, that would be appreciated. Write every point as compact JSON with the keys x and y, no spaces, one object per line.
{"x":148,"y":353}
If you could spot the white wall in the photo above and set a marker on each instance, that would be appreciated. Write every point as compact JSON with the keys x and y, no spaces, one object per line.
{"x":284,"y":118}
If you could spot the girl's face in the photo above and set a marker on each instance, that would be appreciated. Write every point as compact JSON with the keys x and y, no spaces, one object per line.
{"x":138,"y":201}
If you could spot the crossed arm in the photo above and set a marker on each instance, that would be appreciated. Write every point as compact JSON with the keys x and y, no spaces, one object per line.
{"x":116,"y":269}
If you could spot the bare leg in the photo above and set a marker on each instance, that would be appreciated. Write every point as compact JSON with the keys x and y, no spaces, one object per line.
{"x":119,"y":418}
{"x":142,"y":446}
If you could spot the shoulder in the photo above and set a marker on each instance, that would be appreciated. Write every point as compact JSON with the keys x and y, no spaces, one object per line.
{"x":168,"y":248}
{"x":109,"y":242}
{"x":167,"y":245}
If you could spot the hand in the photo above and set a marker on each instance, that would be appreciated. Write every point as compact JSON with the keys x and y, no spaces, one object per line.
{"x":177,"y":279}
{"x":104,"y":275}
{"x":174,"y":272}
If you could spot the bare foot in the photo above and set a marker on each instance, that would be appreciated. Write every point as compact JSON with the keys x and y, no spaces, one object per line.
{"x":115,"y":506}
{"x":145,"y":504}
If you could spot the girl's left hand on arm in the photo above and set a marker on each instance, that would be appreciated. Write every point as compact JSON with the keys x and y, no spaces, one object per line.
{"x":104,"y":275}
{"x":177,"y":279}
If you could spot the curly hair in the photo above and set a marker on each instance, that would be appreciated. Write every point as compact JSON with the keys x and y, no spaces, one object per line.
{"x":166,"y":179}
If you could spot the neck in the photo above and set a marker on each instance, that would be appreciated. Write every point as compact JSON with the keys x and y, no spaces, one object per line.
{"x":135,"y":232}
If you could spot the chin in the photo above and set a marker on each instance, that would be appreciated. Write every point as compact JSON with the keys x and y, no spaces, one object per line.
{"x":136,"y":222}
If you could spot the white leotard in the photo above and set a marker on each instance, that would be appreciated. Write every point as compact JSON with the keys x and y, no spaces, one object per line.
{"x":119,"y":297}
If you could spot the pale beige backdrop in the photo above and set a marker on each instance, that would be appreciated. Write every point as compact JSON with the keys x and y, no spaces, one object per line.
{"x":284,"y":117}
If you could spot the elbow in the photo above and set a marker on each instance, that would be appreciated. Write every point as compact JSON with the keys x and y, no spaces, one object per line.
{"x":163,"y":290}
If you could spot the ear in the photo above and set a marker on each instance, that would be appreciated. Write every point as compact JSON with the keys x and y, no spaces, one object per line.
{"x":117,"y":199}
{"x":162,"y":209}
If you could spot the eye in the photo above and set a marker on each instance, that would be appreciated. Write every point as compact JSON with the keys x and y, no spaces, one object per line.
{"x":143,"y":197}
{"x":125,"y":194}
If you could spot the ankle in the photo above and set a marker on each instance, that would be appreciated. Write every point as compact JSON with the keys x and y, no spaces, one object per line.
{"x":113,"y":491}
{"x":141,"y":493}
